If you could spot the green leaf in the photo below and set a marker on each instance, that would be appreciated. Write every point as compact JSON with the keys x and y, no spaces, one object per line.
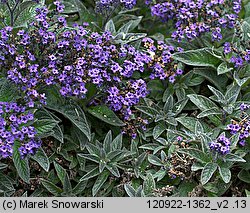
{"x":139,"y":192}
{"x":172,"y":121}
{"x":61,"y":172}
{"x":5,"y":183}
{"x":70,"y":6}
{"x":219,"y":96}
{"x":234,"y":140}
{"x":188,"y":122}
{"x":64,"y":178}
{"x":219,"y":81}
{"x":198,"y":128}
{"x":44,"y":127}
{"x":74,"y":113}
{"x":94,"y":172}
{"x":58,"y":134}
{"x":93,"y":150}
{"x":82,"y":162}
{"x":114,"y":170}
{"x":196,"y":154}
{"x":150,"y":111}
{"x":225,"y":174}
{"x":101,"y":179}
{"x":132,"y":37}
{"x":102,"y":165}
{"x":51,"y":187}
{"x":149,"y":184}
{"x":247,"y":193}
{"x":232,"y":93}
{"x":23,"y":6}
{"x":205,"y":140}
{"x":234,"y":158}
{"x":8,"y":91}
{"x":203,"y":103}
{"x":208,"y":112}
{"x":200,"y":57}
{"x":79,"y":137}
{"x":158,"y":36}
{"x":90,"y":157}
{"x":22,"y":165}
{"x":110,"y":26}
{"x":247,"y":9}
{"x":169,"y":104}
{"x":197,"y":166}
{"x":179,"y":106}
{"x":130,"y":190}
{"x":185,"y":44}
{"x":244,"y":175}
{"x":155,"y":160}
{"x":240,"y":81}
{"x":129,"y":26}
{"x":3,"y":165}
{"x":158,"y":130}
{"x":117,"y":143}
{"x":195,"y":81}
{"x":107,"y":142}
{"x":73,"y":162}
{"x":246,"y":30}
{"x":185,"y":187}
{"x":105,"y":114}
{"x":149,"y":146}
{"x":79,"y":188}
{"x":118,"y":155}
{"x":42,"y":159}
{"x":208,"y":172}
{"x":84,"y":12}
{"x":222,"y":68}
{"x":26,"y":14}
{"x":217,"y":187}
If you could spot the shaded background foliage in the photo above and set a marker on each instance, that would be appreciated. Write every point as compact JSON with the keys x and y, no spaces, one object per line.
{"x":84,"y":152}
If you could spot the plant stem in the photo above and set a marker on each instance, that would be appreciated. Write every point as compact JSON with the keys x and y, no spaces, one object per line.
{"x":12,"y":11}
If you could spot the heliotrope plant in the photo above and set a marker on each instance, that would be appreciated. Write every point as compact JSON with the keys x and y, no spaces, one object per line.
{"x":241,"y":127}
{"x":191,"y":18}
{"x":221,"y":145}
{"x":50,"y":53}
{"x":237,"y":56}
{"x":107,"y":5}
{"x":162,"y":64}
{"x":16,"y":125}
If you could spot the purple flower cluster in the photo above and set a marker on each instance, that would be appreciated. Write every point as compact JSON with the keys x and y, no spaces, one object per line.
{"x":221,"y":145}
{"x":192,"y":18}
{"x":106,"y":5}
{"x":50,"y":53}
{"x":242,"y":127}
{"x":160,"y":61}
{"x":237,"y":56}
{"x":71,"y":59}
{"x":15,"y":125}
{"x":124,"y":98}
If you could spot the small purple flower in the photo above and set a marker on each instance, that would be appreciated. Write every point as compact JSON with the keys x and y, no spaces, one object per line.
{"x":52,"y":57}
{"x":244,"y":106}
{"x":227,"y":48}
{"x":12,"y":120}
{"x":221,"y":145}
{"x":179,"y":138}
